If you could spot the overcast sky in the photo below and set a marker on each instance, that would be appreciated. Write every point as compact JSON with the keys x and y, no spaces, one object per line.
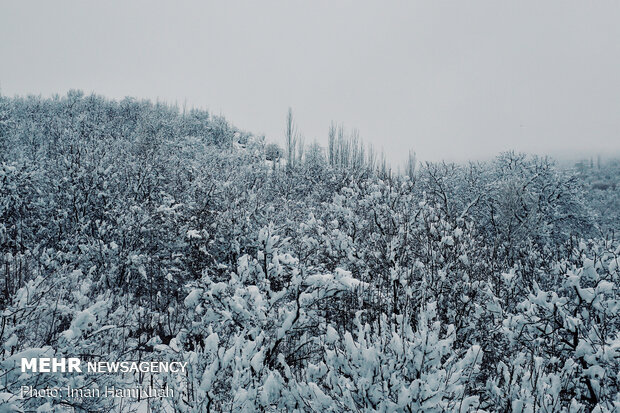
{"x":451,"y":80}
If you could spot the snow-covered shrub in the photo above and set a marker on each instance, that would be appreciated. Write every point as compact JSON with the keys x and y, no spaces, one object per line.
{"x":565,"y":342}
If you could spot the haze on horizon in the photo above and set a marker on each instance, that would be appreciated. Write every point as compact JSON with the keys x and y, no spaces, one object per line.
{"x":449,"y":80}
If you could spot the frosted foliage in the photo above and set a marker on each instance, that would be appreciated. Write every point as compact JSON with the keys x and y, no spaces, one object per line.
{"x":298,"y":279}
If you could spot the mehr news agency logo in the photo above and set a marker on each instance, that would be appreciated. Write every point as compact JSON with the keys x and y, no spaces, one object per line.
{"x":74,"y":365}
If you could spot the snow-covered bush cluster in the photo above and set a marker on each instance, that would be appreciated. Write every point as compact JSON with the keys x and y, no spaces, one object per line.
{"x":130,"y":231}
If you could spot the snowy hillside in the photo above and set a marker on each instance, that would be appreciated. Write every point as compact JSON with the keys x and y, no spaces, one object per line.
{"x":132,"y":231}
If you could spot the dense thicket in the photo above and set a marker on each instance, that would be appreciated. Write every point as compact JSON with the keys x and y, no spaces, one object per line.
{"x":131,"y":230}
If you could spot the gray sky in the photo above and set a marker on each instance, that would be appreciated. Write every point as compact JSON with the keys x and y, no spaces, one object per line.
{"x":451,"y":80}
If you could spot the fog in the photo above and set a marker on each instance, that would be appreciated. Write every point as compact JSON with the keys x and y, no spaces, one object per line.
{"x":449,"y":80}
